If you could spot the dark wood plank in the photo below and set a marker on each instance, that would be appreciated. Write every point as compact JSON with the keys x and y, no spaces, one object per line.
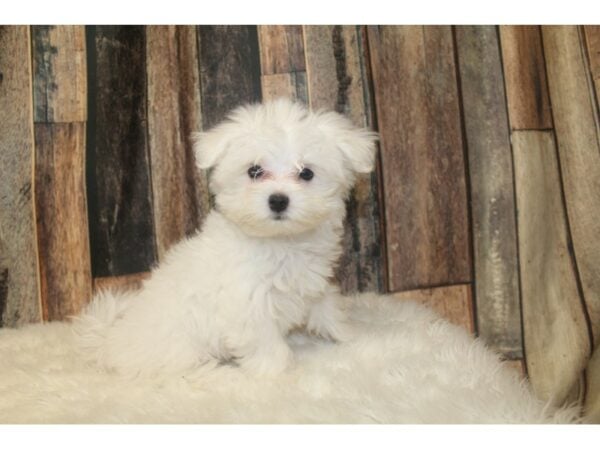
{"x":525,"y":76}
{"x":454,"y":303}
{"x":282,"y":62}
{"x":556,"y":337}
{"x":118,"y":177}
{"x":491,"y":186}
{"x":575,"y":119}
{"x":336,"y":79}
{"x":19,"y":289}
{"x":229,"y":69}
{"x":19,"y":283}
{"x":592,"y":397}
{"x":59,"y":68}
{"x":592,"y":38}
{"x":61,"y":213}
{"x":427,"y":226}
{"x":180,"y":194}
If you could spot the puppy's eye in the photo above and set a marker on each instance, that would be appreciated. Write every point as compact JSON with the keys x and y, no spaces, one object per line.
{"x":255,"y":172}
{"x":306,"y":174}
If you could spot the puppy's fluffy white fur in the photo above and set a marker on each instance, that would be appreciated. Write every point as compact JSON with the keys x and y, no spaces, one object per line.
{"x":233,"y":291}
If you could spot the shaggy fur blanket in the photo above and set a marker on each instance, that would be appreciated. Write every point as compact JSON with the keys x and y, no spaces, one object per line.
{"x":406,"y":365}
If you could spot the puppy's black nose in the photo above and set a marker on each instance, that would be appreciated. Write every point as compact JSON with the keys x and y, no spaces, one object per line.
{"x":278,"y":202}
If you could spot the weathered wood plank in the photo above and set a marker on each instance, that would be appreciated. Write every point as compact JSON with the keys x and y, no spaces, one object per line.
{"x":281,"y":49}
{"x":555,"y":331}
{"x":525,"y":77}
{"x":19,"y":288}
{"x":427,"y":224}
{"x":491,"y":186}
{"x":229,"y":69}
{"x":119,"y":189}
{"x":282,"y":62}
{"x":579,"y":151}
{"x":61,"y":213}
{"x":451,"y":302}
{"x":124,"y":282}
{"x":180,"y":194}
{"x":592,"y":38}
{"x":335,"y":67}
{"x":592,"y":398}
{"x":59,"y":68}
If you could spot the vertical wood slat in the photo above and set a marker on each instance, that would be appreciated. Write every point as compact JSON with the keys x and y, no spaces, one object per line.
{"x":229,"y":70}
{"x":335,"y":80}
{"x":282,"y":61}
{"x":60,"y":83}
{"x":579,"y":151}
{"x":180,"y":193}
{"x":452,"y":302}
{"x":491,"y":185}
{"x":19,"y":284}
{"x":63,"y":241}
{"x":60,"y":105}
{"x":592,"y":38}
{"x":119,"y":189}
{"x":427,"y":226}
{"x":525,"y":77}
{"x":555,"y":330}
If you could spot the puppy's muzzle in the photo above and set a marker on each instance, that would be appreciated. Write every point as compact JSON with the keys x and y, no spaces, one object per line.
{"x":278,"y":202}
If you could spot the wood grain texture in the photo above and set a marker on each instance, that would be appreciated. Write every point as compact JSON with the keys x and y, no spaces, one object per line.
{"x":491,"y":186}
{"x":124,"y":282}
{"x":282,"y":62}
{"x":229,"y":69}
{"x":592,"y":39}
{"x":451,"y":302}
{"x":427,"y":226}
{"x":59,"y":69}
{"x":281,"y":49}
{"x":592,"y":398}
{"x":525,"y":77}
{"x":62,"y":226}
{"x":575,"y":120}
{"x":19,"y":288}
{"x":555,"y":331}
{"x":180,"y":194}
{"x":336,"y":80}
{"x":119,"y":189}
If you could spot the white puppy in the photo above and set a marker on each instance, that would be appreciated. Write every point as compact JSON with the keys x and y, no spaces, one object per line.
{"x":263,"y":262}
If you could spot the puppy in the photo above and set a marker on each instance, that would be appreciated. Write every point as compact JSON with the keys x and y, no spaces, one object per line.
{"x":263,"y":262}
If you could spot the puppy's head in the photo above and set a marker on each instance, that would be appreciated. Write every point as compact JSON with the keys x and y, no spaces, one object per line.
{"x":280,"y":169}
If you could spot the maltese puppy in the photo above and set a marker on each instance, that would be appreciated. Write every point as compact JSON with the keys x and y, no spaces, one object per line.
{"x":262,"y":264}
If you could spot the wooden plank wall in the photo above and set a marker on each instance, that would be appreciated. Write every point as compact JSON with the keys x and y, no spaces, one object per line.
{"x":485,"y":204}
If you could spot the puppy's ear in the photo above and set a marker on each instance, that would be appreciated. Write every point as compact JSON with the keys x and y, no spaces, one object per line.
{"x":210,"y":146}
{"x":358,"y":145}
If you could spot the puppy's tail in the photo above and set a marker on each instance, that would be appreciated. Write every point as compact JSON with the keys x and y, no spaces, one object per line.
{"x":90,"y":328}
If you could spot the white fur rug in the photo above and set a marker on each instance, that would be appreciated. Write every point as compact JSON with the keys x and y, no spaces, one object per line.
{"x":405,"y":366}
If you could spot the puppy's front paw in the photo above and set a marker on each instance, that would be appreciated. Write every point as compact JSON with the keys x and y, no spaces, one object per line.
{"x":327,"y":320}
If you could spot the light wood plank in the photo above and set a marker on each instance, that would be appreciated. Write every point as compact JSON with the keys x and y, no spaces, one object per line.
{"x":592,"y":38}
{"x":492,"y":194}
{"x":19,"y":283}
{"x":336,"y":80}
{"x":282,"y":62}
{"x":592,"y":400}
{"x":63,"y":240}
{"x":555,"y":330}
{"x":119,"y":186}
{"x":60,"y":78}
{"x":426,"y":215}
{"x":451,"y":302}
{"x":575,"y":120}
{"x":525,"y":77}
{"x":124,"y":282}
{"x":180,"y":194}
